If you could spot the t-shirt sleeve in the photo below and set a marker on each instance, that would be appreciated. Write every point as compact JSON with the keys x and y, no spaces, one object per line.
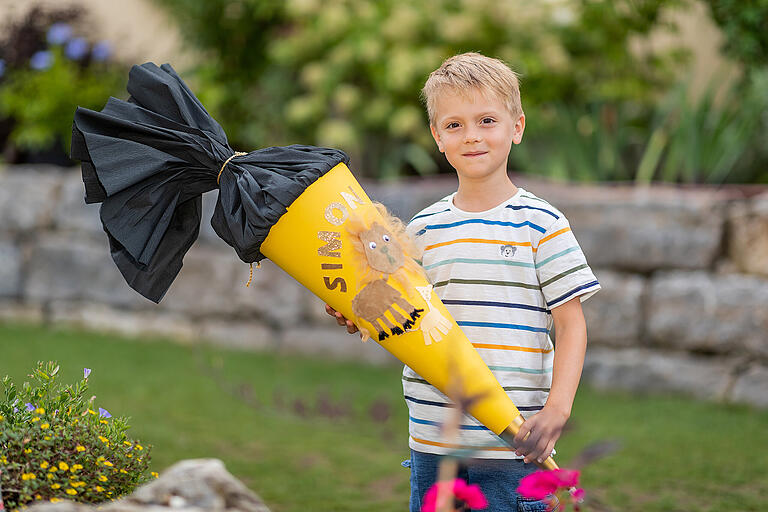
{"x":561,"y":266}
{"x":416,"y":233}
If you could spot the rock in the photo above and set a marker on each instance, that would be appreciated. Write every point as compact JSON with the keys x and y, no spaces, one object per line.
{"x":105,"y":318}
{"x":27,"y":197}
{"x":76,"y":267}
{"x":614,"y":315}
{"x":238,"y":334}
{"x":748,"y":235}
{"x":15,"y":311}
{"x":751,"y":387}
{"x":71,"y":213}
{"x":194,"y":485}
{"x":10,"y":269}
{"x":333,"y":342}
{"x":714,"y":313}
{"x":644,"y":371}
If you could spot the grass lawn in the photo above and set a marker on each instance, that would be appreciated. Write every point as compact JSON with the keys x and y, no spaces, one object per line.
{"x":319,"y":435}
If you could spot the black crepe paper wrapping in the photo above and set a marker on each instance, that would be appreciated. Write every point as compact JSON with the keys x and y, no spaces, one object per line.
{"x":148,"y":161}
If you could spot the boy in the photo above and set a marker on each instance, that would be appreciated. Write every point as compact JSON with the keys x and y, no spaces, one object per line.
{"x":508,"y":268}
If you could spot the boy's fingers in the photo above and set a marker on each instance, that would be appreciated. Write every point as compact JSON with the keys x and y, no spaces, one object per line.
{"x":330,"y":310}
{"x":547,"y":451}
{"x":351,"y":328}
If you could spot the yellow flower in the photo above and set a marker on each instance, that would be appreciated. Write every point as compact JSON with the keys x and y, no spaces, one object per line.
{"x":124,"y":471}
{"x":90,"y":411}
{"x":38,"y":497}
{"x":50,"y":476}
{"x":129,"y":455}
{"x":75,"y":467}
{"x":126,"y":443}
{"x":80,"y":448}
{"x":154,"y":474}
{"x":39,"y":410}
{"x":35,"y":419}
{"x":53,"y":469}
{"x":71,"y":491}
{"x":3,"y":460}
{"x":102,"y":478}
{"x":76,"y":421}
{"x":55,"y":500}
{"x":47,"y":438}
{"x":2,"y":417}
{"x":56,"y":486}
{"x":105,"y":422}
{"x":28,"y":450}
{"x":44,"y":464}
{"x":139,"y":447}
{"x":107,"y":463}
{"x":63,"y":466}
{"x":28,"y":476}
{"x":103,"y":439}
{"x":99,"y":488}
{"x":77,"y":484}
{"x":44,"y":426}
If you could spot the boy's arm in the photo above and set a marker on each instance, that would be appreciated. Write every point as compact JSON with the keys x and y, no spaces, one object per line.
{"x":546,"y":426}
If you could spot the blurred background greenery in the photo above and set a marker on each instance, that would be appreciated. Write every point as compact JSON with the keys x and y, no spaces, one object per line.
{"x":603,"y":102}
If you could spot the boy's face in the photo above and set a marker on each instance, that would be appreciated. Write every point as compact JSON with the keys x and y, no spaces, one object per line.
{"x":476,"y":132}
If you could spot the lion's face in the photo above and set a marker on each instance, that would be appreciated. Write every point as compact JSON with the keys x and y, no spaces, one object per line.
{"x":384,"y":254}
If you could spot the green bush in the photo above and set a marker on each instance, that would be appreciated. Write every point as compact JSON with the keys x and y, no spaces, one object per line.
{"x":55,"y":444}
{"x":347,"y":73}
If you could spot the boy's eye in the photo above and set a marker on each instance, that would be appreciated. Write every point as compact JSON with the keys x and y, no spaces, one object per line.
{"x":488,"y":120}
{"x":452,"y":125}
{"x":372,"y":245}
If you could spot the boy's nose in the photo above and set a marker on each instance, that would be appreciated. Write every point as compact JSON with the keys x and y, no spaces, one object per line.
{"x":471,"y":136}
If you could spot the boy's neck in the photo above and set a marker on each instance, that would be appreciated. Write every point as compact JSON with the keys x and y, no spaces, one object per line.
{"x":482,"y":195}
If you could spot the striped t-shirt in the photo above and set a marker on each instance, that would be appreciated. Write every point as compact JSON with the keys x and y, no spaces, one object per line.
{"x":499,"y":272}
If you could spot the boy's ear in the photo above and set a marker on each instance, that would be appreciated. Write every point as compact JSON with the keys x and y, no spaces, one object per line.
{"x":517,"y":134}
{"x":436,"y":136}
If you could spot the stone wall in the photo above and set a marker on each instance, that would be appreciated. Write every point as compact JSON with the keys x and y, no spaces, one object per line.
{"x":684,"y":305}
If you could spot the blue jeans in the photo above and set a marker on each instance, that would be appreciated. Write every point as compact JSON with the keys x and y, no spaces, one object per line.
{"x":497,"y":478}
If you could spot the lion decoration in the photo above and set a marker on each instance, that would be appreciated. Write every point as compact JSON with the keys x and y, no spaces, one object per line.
{"x":385,"y":251}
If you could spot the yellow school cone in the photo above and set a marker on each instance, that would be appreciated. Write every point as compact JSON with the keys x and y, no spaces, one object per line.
{"x":316,"y":241}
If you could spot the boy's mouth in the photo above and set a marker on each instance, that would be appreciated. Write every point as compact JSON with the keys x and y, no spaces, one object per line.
{"x":475,"y":153}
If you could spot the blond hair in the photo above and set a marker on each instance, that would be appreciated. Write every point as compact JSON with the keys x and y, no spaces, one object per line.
{"x":464,"y":72}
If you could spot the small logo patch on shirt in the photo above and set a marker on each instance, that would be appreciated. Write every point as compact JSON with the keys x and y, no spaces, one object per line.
{"x":508,"y":251}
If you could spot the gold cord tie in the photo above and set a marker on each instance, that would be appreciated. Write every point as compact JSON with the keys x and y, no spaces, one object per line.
{"x":250,"y":278}
{"x":237,"y":153}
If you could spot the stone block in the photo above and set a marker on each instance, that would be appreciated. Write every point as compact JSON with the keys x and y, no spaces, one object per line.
{"x":10,"y":268}
{"x":333,"y":342}
{"x":212,"y":282}
{"x":614,"y":315}
{"x":748,"y":235}
{"x":723,"y":313}
{"x":77,"y":268}
{"x":71,"y":212}
{"x":238,"y":334}
{"x":28,"y":197}
{"x":15,"y":311}
{"x":648,"y":371}
{"x":751,"y":387}
{"x":105,"y":318}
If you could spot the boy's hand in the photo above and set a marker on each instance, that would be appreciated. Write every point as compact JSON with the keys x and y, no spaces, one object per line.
{"x":545,"y":428}
{"x":351,"y":328}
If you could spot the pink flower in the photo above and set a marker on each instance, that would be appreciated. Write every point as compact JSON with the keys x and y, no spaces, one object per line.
{"x":541,"y":484}
{"x":471,"y":495}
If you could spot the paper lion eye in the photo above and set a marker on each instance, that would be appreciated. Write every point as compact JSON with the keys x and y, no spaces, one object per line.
{"x":386,"y":238}
{"x":372,"y":245}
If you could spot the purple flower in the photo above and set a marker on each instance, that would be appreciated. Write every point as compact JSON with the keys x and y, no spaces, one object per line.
{"x":59,"y":33}
{"x":2,"y":67}
{"x":86,"y":372}
{"x":101,"y":51}
{"x":41,"y":60}
{"x":76,"y":48}
{"x":104,"y":413}
{"x":30,"y":407}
